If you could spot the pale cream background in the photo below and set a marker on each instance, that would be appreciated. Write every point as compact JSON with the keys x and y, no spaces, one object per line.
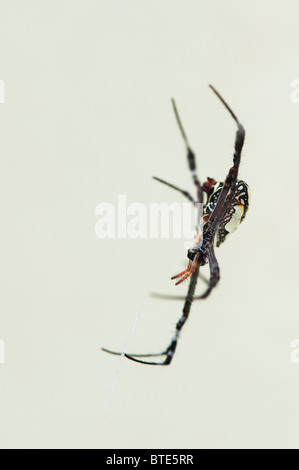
{"x":87,"y":117}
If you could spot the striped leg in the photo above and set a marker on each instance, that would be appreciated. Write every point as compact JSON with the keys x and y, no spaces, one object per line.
{"x":169,"y":352}
{"x":228,"y":190}
{"x":186,"y":310}
{"x":190,"y":155}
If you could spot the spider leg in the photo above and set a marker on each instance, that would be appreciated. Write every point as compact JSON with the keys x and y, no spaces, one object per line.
{"x":193,"y":267}
{"x":170,"y":350}
{"x":157,"y":295}
{"x":190,"y":154}
{"x":115,"y":353}
{"x":192,"y":264}
{"x":214,"y":272}
{"x":188,"y":272}
{"x":231,"y":179}
{"x":185,"y":193}
{"x":203,"y":278}
{"x":183,"y":272}
{"x":133,"y":357}
{"x":150,"y":363}
{"x":186,"y":310}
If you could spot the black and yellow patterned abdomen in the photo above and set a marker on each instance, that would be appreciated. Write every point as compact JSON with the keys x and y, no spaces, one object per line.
{"x":236,"y":213}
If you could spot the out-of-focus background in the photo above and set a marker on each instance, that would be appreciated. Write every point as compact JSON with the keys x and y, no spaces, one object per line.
{"x":87,"y":116}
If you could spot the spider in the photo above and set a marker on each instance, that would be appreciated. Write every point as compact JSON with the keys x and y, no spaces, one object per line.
{"x":225,"y":208}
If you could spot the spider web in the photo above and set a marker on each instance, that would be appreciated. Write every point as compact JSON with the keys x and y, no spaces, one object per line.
{"x":120,"y":369}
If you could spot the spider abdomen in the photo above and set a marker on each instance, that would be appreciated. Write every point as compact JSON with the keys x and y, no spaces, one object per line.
{"x":236,"y":212}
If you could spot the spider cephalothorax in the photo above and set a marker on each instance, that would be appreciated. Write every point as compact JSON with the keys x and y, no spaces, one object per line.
{"x":229,"y":222}
{"x":225,"y":208}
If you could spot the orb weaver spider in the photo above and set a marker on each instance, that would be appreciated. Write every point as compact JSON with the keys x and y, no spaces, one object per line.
{"x":225,"y":208}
